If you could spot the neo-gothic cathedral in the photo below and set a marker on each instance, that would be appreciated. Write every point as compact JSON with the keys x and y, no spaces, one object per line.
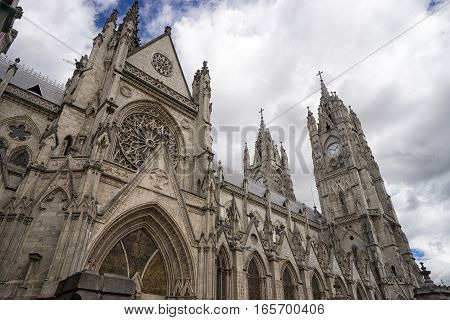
{"x":115,"y":174}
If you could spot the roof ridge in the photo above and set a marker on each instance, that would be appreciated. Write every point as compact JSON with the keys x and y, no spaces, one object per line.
{"x":32,"y":72}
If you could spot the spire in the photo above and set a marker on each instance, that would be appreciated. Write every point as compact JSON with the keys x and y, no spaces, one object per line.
{"x":262,"y":125}
{"x":111,"y":18}
{"x":284,"y":158}
{"x":323,"y":88}
{"x":132,"y":16}
{"x":246,"y":159}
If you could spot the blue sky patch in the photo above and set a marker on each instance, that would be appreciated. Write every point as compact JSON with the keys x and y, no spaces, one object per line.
{"x":433,"y":4}
{"x":418,"y":254}
{"x":149,"y":11}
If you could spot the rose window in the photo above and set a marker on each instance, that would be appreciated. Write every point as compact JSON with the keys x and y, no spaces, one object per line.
{"x":162,"y":64}
{"x":19,"y":132}
{"x":139,"y":135}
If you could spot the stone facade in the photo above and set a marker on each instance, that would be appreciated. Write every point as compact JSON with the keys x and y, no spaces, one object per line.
{"x":116,"y":174}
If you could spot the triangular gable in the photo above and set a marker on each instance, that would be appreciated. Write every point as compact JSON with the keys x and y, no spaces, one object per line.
{"x":142,"y":58}
{"x":154,"y":182}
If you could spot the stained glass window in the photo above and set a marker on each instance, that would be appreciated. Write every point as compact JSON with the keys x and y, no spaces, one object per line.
{"x":221,"y":277}
{"x":136,"y":253}
{"x":19,"y":132}
{"x":254,"y":282}
{"x":20,"y":158}
{"x":288,"y":285}
{"x":317,"y":295}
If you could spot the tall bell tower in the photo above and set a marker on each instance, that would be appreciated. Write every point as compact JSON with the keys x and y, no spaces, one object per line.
{"x":354,"y":200}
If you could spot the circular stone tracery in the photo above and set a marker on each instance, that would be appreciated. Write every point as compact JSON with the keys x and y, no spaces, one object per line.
{"x":162,"y":64}
{"x":140,"y":133}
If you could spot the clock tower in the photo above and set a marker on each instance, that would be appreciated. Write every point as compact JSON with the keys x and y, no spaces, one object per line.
{"x":354,"y":201}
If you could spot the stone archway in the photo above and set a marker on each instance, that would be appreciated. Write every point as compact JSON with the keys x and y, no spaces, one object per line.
{"x":152,"y":232}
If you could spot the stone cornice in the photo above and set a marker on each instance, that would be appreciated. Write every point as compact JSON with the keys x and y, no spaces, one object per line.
{"x":31,"y":100}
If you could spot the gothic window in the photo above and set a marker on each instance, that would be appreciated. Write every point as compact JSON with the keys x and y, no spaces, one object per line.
{"x":340,"y":289}
{"x":343,"y":203}
{"x":221,"y":277}
{"x":288,"y":285}
{"x":137,"y":256}
{"x":254,"y":282}
{"x":394,"y":273}
{"x":360,"y":293}
{"x":140,"y":133}
{"x":20,"y":158}
{"x":199,"y":186}
{"x":67,"y":145}
{"x":19,"y":132}
{"x":162,"y":64}
{"x":315,"y":287}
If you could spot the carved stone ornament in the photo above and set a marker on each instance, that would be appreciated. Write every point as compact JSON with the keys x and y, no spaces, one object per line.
{"x":139,"y":134}
{"x":19,"y":132}
{"x":162,"y":64}
{"x":125,"y":91}
{"x":160,"y":178}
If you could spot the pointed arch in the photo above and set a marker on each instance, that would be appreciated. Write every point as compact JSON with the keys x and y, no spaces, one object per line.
{"x":137,"y":256}
{"x":168,"y":238}
{"x":20,"y":157}
{"x":289,"y":281}
{"x":340,"y":289}
{"x":360,"y":293}
{"x":67,"y":145}
{"x":223,"y":273}
{"x":317,"y":286}
{"x":256,"y":276}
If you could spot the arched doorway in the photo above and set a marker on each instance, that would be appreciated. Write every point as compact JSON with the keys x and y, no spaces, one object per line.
{"x":360,"y":295}
{"x":289,"y":287}
{"x":222,"y":275}
{"x":255,"y":280}
{"x":137,"y":257}
{"x":316,"y":288}
{"x":146,"y":245}
{"x":340,"y":289}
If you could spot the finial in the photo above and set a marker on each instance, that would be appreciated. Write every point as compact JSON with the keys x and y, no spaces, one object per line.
{"x":205,"y":67}
{"x":261,"y":112}
{"x":168,"y":29}
{"x":319,"y":74}
{"x":17,"y":60}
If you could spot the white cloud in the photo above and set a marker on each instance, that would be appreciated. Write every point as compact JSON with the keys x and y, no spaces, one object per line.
{"x":266,"y":54}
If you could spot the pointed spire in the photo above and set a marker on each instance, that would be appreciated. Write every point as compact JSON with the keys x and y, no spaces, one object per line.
{"x":205,"y":68}
{"x":262,"y":118}
{"x":111,"y":18}
{"x":323,"y":88}
{"x":246,"y":159}
{"x":133,"y":15}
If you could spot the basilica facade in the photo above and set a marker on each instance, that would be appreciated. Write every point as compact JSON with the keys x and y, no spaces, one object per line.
{"x":115,"y":173}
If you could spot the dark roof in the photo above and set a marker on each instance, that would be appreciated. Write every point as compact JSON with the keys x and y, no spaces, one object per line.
{"x":26,"y":78}
{"x":236,"y":179}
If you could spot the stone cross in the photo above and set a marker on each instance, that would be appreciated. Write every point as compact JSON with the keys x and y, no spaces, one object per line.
{"x":261,"y":111}
{"x":320,"y":75}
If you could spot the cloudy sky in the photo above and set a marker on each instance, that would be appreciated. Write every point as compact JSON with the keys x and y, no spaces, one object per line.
{"x":267,"y":53}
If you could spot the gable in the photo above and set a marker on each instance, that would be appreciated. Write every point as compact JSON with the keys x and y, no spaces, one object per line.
{"x":159,"y":60}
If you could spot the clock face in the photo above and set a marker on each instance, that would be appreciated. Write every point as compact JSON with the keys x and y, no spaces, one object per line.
{"x":334,"y":150}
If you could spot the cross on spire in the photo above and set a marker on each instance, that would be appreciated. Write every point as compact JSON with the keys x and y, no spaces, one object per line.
{"x":261,"y":111}
{"x":319,"y":74}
